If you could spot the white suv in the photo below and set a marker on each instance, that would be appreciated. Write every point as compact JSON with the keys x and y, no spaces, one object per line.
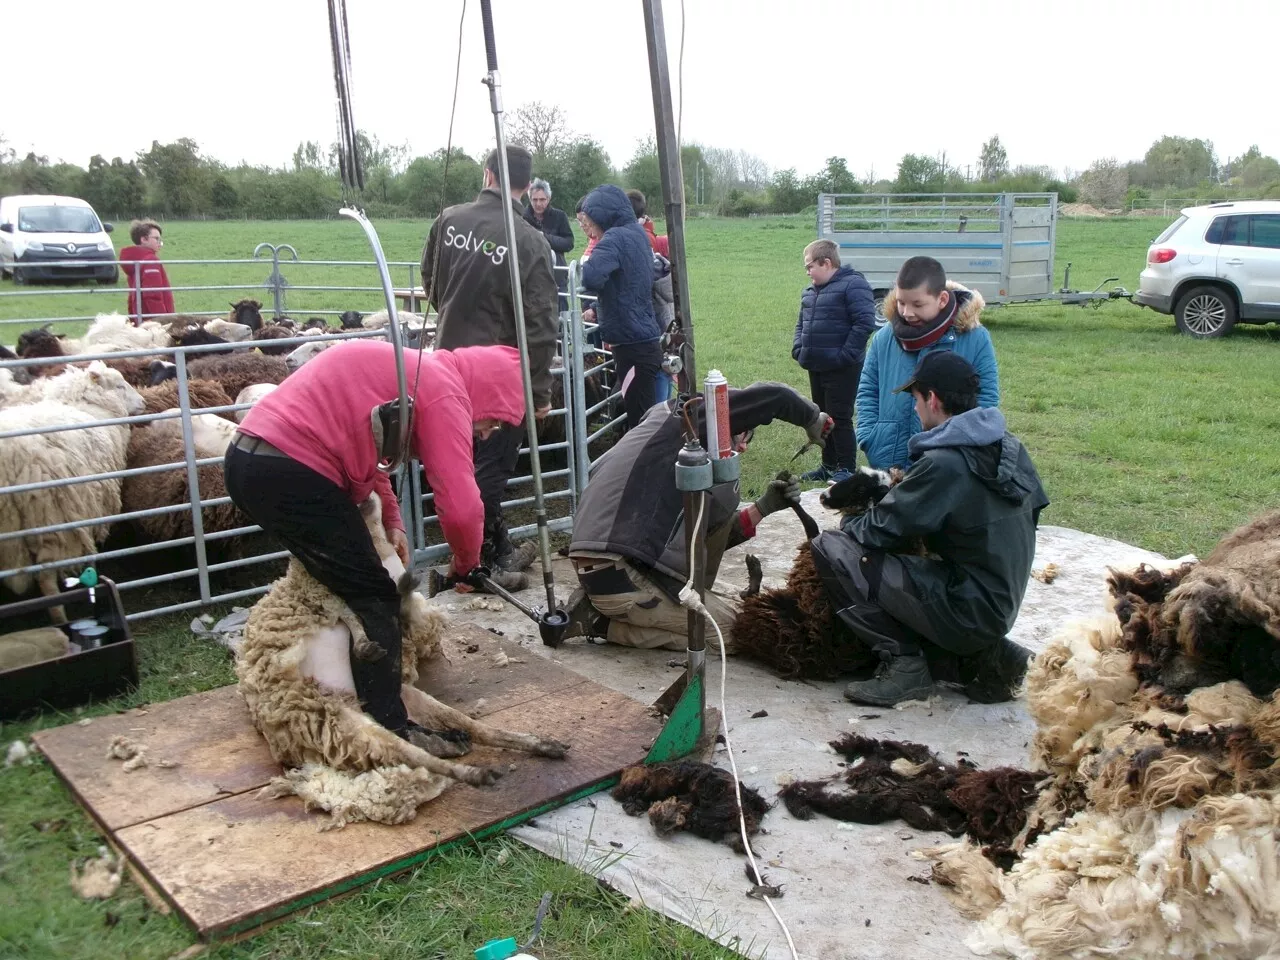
{"x":1214,"y":266}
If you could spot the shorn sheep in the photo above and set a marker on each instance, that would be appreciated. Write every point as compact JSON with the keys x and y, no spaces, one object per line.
{"x":295,"y":676}
{"x":1156,"y":829}
{"x":77,"y":396}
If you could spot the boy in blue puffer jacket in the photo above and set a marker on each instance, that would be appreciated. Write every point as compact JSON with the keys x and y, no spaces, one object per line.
{"x":925,"y":313}
{"x":837,"y":314}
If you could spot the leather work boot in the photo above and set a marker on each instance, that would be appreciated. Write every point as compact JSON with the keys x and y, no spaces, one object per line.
{"x":896,"y":679}
{"x":520,"y":557}
{"x":510,"y":580}
{"x":584,"y":621}
{"x":995,"y":674}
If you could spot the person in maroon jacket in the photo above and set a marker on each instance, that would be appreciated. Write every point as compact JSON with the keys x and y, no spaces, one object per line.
{"x":142,"y":268}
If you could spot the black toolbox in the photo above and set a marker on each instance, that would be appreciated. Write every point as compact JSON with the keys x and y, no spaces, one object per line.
{"x":93,"y":674}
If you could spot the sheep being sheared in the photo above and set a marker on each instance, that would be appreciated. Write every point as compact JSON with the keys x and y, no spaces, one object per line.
{"x":295,"y":676}
{"x":81,"y":396}
{"x":793,"y":630}
{"x":1158,"y":730}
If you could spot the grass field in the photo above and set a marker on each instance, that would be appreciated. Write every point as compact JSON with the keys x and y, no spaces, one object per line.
{"x":1139,"y":434}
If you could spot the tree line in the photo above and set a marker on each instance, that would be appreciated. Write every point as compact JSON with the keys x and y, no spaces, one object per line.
{"x":177,"y":180}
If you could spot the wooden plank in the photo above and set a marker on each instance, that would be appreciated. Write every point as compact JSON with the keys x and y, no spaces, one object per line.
{"x":208,"y":735}
{"x":473,"y":682}
{"x":238,"y":862}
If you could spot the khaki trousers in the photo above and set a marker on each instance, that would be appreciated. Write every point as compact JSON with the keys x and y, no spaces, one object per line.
{"x":647,"y":618}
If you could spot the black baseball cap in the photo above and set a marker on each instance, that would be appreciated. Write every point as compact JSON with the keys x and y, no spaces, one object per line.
{"x":942,"y":371}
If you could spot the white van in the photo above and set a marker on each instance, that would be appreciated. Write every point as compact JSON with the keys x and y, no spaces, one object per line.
{"x":37,"y":232}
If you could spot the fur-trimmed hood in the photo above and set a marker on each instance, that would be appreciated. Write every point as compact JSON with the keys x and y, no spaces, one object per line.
{"x":968,"y":316}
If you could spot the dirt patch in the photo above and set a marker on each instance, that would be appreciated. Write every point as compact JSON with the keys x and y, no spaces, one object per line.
{"x":1083,"y":210}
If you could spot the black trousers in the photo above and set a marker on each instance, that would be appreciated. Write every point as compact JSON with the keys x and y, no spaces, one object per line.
{"x":495,"y":462}
{"x":834,"y":391}
{"x":317,"y":523}
{"x":872,"y":594}
{"x":637,"y":368}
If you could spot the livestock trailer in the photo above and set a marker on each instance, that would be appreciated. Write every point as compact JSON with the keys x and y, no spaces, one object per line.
{"x":1001,"y":244}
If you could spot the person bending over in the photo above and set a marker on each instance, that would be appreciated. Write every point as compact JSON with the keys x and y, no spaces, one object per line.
{"x":306,"y":457}
{"x":628,"y":544}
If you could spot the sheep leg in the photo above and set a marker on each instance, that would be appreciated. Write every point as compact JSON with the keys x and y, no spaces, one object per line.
{"x":426,"y":710}
{"x":48,"y":581}
{"x":384,"y":748}
{"x":755,"y":577}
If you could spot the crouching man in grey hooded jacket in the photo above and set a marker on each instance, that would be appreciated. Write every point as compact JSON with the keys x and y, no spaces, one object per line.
{"x":971,"y":499}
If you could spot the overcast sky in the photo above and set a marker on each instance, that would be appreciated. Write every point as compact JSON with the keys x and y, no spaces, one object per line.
{"x":1062,"y":82}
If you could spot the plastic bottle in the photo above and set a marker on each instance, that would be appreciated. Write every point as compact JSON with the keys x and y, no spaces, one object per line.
{"x":502,"y":950}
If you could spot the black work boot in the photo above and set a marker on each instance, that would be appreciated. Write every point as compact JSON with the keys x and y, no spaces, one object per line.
{"x":520,"y":557}
{"x":995,"y":674}
{"x":896,"y":679}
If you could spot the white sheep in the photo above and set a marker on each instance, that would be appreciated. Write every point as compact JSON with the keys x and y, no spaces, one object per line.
{"x":77,"y":396}
{"x":295,"y":676}
{"x":251,"y":395}
{"x":210,"y":433}
{"x":305,"y":352}
{"x":111,"y":332}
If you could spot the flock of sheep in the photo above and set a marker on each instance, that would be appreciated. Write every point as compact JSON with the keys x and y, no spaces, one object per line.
{"x":66,"y":398}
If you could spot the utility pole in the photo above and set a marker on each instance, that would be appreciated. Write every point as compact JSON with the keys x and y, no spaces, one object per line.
{"x":672,"y":177}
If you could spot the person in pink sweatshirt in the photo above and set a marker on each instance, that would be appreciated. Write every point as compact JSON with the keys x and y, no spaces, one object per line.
{"x":304,"y":459}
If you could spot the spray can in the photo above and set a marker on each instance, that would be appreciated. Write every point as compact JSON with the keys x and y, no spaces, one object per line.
{"x":715,"y":392}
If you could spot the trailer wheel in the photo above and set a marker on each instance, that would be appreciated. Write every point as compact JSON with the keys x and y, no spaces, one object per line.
{"x":1205,"y":313}
{"x":881,"y":319}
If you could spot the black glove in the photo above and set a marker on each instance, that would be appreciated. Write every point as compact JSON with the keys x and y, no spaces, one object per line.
{"x":780,"y":495}
{"x":820,"y":428}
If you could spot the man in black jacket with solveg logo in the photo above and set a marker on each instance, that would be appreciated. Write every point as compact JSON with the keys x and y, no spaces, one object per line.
{"x":466,"y":255}
{"x":973,"y":498}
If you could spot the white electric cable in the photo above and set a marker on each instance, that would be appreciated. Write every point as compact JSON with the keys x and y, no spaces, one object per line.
{"x":689,"y":599}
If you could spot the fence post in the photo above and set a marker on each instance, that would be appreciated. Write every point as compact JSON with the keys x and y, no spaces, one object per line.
{"x":193,"y":477}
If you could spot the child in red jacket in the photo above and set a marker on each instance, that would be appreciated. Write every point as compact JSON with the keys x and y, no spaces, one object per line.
{"x":142,"y":268}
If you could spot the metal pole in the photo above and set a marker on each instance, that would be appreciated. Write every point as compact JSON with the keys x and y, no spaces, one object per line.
{"x":695,"y":543}
{"x":672,"y":179}
{"x":384,"y":273}
{"x":494,"y":83}
{"x":193,"y":475}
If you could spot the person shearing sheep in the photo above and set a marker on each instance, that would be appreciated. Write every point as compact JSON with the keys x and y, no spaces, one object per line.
{"x":306,"y":457}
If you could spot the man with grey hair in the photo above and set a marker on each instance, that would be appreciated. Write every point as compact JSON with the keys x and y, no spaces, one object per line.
{"x":554,"y":224}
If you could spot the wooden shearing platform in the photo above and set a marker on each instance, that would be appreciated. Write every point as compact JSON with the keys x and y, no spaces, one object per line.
{"x":229,"y":862}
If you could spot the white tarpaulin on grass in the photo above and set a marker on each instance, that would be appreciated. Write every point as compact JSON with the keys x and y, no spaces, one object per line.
{"x":848,"y":888}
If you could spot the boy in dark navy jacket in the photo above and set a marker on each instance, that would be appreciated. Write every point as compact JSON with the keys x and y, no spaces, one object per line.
{"x":837,"y":315}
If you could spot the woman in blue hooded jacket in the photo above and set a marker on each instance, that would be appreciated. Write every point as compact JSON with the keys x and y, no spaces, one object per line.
{"x":887,"y":420}
{"x":620,"y":274}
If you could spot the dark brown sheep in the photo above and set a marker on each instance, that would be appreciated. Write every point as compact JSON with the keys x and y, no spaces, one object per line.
{"x":202,"y":393}
{"x":239,"y":370}
{"x":273,"y":331}
{"x":148,"y":448}
{"x":248,"y":312}
{"x":135,"y":370}
{"x":41,"y":342}
{"x":794,"y":630}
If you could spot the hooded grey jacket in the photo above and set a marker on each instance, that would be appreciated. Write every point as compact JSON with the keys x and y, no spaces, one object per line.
{"x":974,"y":497}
